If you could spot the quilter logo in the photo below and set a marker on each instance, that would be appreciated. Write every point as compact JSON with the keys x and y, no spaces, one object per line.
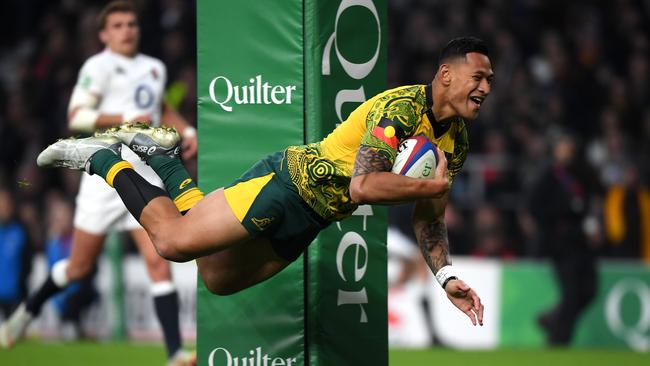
{"x":225,"y":93}
{"x":353,"y":291}
{"x":357,"y":65}
{"x":222,"y":357}
{"x":633,"y":331}
{"x":353,"y":70}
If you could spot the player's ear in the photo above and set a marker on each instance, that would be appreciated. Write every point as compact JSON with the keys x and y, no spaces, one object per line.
{"x":102,"y":36}
{"x":445,"y":74}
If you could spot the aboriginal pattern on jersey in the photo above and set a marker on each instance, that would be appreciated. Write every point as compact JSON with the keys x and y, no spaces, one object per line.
{"x":323,"y":184}
{"x":456,"y":160}
{"x":402,"y":109}
{"x":322,"y":171}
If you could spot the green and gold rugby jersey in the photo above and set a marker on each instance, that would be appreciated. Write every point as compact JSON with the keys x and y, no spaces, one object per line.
{"x":322,"y":170}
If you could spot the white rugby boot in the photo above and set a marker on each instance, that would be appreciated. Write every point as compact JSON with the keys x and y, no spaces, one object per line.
{"x":76,"y":153}
{"x":13,"y":329}
{"x":146,"y":141}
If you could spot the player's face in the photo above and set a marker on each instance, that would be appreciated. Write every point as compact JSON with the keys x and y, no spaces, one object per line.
{"x":470,"y":84}
{"x":121,"y":33}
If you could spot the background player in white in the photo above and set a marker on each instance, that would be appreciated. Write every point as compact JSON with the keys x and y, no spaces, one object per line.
{"x":117,"y":85}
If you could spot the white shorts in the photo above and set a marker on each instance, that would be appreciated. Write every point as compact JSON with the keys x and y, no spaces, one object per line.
{"x":100,"y":209}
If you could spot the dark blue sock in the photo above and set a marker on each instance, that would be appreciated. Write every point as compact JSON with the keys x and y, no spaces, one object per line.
{"x":46,"y":291}
{"x":167,"y":311}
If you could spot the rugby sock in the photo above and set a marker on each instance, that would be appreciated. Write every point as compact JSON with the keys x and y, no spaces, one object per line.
{"x":56,"y":281}
{"x":47,"y":290}
{"x":106,"y":164}
{"x":165,"y":300}
{"x":178,"y":183}
{"x":134,"y":190}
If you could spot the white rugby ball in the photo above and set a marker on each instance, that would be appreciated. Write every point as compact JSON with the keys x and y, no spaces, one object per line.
{"x":416,"y":158}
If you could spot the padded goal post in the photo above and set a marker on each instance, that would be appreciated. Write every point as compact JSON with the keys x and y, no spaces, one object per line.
{"x":271,"y":74}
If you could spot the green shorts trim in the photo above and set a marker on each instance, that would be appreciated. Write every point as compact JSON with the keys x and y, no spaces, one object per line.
{"x":267,"y":203}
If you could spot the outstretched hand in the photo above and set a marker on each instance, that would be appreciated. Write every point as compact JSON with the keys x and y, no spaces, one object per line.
{"x":465,"y":299}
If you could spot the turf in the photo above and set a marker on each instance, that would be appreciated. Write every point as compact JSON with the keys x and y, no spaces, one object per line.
{"x":126,"y":354}
{"x":83,"y":353}
{"x":554,"y":357}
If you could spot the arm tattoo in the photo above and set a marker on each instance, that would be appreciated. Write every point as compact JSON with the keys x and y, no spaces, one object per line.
{"x":370,"y":160}
{"x":434,"y":244}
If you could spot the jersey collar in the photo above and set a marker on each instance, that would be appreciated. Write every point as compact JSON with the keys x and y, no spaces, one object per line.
{"x":120,"y":56}
{"x":439,"y":129}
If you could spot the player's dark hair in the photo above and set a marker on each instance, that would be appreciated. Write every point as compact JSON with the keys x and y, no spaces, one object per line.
{"x":459,"y":47}
{"x":118,"y":6}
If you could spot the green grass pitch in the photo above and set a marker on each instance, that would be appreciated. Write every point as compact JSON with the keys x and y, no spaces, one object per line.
{"x":82,"y":353}
{"x":126,"y":354}
{"x":523,"y":357}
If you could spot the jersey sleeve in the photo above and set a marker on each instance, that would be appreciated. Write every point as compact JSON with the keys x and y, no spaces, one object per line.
{"x":93,"y":77}
{"x":163,"y":71}
{"x":163,"y":75}
{"x":388,"y":124}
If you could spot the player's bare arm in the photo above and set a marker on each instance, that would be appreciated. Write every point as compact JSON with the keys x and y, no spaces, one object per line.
{"x":370,"y":160}
{"x":83,"y":115}
{"x":431,"y":233}
{"x":104,"y":120}
{"x":373,"y":182}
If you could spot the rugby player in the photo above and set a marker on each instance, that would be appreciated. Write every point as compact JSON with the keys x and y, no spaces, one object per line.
{"x":116,"y":85}
{"x":250,"y":230}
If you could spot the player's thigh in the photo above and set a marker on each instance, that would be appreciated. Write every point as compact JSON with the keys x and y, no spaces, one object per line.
{"x":210,"y":226}
{"x":85,"y":250}
{"x":240,"y":266}
{"x":157,"y":267}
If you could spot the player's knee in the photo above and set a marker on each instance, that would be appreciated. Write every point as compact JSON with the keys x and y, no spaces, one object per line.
{"x":162,"y":244}
{"x":165,"y":249}
{"x":169,"y":246}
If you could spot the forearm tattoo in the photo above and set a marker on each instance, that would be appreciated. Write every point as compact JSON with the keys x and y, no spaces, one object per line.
{"x":370,"y":160}
{"x":434,"y":244}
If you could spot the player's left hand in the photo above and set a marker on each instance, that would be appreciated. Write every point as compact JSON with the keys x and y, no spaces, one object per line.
{"x":189,"y":146}
{"x":465,"y":299}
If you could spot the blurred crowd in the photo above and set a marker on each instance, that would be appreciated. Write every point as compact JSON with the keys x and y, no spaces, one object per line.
{"x":42,"y":47}
{"x":576,"y":70}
